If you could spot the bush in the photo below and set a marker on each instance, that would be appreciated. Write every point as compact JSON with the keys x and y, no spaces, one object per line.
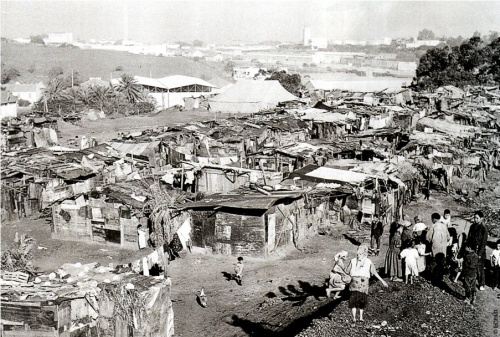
{"x":23,"y":102}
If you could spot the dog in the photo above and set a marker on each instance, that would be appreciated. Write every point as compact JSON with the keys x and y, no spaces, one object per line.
{"x":202,"y":298}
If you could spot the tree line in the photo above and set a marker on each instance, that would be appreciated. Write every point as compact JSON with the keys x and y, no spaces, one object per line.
{"x":473,"y":62}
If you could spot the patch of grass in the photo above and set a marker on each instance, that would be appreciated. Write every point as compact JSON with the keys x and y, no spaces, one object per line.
{"x":34,"y":63}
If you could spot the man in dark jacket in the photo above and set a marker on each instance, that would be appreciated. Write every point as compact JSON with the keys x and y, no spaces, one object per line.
{"x":376,"y":232}
{"x":476,"y":240}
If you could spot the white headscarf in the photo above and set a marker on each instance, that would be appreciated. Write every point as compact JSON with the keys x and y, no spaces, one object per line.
{"x":340,"y":254}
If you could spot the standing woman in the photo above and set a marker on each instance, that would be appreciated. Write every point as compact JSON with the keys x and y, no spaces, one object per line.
{"x":393,"y":264}
{"x":361,"y":268}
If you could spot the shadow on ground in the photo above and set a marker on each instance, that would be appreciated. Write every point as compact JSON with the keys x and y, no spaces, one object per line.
{"x":298,"y":294}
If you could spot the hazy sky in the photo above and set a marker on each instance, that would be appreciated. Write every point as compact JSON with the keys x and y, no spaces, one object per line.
{"x":247,"y":20}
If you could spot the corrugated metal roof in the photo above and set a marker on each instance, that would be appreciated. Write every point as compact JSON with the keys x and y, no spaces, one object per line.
{"x":169,"y":82}
{"x":177,"y":81}
{"x":242,"y":201}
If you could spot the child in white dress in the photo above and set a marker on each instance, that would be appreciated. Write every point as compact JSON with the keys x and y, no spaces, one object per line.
{"x":410,"y":254}
{"x":420,"y":247}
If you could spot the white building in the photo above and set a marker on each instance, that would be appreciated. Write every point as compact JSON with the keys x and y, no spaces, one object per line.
{"x":28,"y":92}
{"x":420,"y":43}
{"x":21,"y":40}
{"x":8,"y":105}
{"x":171,"y":90}
{"x":59,"y":38}
{"x":240,"y":73}
{"x":318,"y":43}
{"x":307,"y":36}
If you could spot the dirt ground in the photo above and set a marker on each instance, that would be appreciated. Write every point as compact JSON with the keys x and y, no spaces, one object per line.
{"x":280,"y":296}
{"x":104,"y":130}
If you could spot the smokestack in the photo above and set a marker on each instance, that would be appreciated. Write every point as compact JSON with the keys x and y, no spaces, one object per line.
{"x":125,"y":21}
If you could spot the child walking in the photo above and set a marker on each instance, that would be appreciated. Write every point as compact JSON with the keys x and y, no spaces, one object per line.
{"x":469,"y":268}
{"x":238,"y":270}
{"x":420,"y":247}
{"x":410,"y":255}
{"x":495,"y":264}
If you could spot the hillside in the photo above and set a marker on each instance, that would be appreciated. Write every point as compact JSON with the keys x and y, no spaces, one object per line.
{"x":34,"y":63}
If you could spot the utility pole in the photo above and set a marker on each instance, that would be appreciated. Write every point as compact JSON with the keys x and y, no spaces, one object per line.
{"x":72,"y":82}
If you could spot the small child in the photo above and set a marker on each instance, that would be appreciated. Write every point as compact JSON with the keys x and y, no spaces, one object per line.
{"x":238,"y":270}
{"x":446,"y":219}
{"x":456,"y":259}
{"x":420,"y":247}
{"x":469,"y":270}
{"x":141,"y":237}
{"x":495,"y":264}
{"x":411,"y":255}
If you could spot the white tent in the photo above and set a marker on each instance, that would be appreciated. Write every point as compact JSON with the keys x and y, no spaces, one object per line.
{"x":249,"y":96}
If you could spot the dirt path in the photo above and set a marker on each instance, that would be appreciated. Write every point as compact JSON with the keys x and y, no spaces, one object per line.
{"x":233,"y":310}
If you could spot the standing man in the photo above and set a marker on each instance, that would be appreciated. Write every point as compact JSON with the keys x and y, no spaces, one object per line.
{"x":476,"y":240}
{"x":438,"y":237}
{"x":377,"y":229}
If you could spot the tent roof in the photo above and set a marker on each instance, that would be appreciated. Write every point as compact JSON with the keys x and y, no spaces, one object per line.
{"x":220,"y":82}
{"x":252,"y":96}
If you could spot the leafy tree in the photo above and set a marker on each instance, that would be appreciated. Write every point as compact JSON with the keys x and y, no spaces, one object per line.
{"x":129,"y":87}
{"x":37,"y":39}
{"x":9,"y":74}
{"x":53,"y":90}
{"x":56,"y":71}
{"x":454,"y":41}
{"x":292,"y":83}
{"x":426,"y":34}
{"x":471,"y":63}
{"x":101,"y":95}
{"x":23,"y":103}
{"x":229,"y":67}
{"x":198,"y":43}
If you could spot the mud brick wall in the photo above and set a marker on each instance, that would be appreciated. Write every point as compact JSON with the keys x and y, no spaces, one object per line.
{"x":239,"y":235}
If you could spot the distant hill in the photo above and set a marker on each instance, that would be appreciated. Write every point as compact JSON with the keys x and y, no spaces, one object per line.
{"x":34,"y":63}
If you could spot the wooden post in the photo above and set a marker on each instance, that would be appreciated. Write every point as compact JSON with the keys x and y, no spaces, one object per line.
{"x":182,"y":179}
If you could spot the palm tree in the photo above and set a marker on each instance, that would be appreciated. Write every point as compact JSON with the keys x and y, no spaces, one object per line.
{"x":162,"y":205}
{"x":129,"y":87}
{"x":52,"y":92}
{"x":101,"y":95}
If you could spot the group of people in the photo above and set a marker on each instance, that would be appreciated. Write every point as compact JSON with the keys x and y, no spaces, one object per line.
{"x":437,"y":250}
{"x":416,"y":249}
